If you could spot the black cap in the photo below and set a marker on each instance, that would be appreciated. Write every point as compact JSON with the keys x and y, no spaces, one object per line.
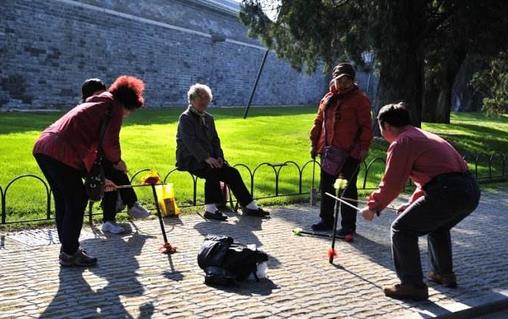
{"x":342,"y":69}
{"x":90,"y":86}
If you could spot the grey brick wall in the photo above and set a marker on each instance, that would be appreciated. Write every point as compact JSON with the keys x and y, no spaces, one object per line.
{"x":49,"y":47}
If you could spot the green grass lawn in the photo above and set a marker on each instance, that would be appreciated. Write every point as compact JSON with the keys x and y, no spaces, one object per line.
{"x":272,"y":135}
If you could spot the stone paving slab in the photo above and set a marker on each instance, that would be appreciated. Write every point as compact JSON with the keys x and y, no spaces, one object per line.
{"x":132,"y":280}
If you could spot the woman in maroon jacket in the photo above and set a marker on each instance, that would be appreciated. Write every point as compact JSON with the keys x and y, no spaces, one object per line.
{"x":67,"y":149}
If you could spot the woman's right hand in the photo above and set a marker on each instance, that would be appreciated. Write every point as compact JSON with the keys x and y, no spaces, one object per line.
{"x":109,"y":186}
{"x":313,"y":152}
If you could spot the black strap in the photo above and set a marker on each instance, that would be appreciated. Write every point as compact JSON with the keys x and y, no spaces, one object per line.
{"x":104,"y":125}
{"x":332,"y":100}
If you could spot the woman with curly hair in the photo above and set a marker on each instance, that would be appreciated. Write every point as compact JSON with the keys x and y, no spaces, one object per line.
{"x":66,"y":150}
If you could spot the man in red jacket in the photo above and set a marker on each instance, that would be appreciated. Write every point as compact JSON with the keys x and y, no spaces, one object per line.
{"x":344,"y":122}
{"x":445,"y":194}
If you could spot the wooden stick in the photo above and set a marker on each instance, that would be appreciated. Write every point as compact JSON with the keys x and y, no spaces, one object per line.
{"x":136,"y":185}
{"x":343,"y":201}
{"x":354,"y":200}
{"x":366,"y":202}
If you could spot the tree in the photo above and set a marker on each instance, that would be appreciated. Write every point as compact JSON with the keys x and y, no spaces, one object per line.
{"x":470,"y":35}
{"x":406,"y":37}
{"x":493,"y":84}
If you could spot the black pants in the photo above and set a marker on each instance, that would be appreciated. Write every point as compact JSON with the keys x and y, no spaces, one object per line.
{"x":228,"y":175}
{"x":70,"y":200}
{"x":348,"y":215}
{"x":448,"y":199}
{"x":109,"y":200}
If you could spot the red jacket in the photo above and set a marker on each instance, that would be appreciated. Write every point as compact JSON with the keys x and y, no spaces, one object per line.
{"x":348,"y":123}
{"x":418,"y":155}
{"x":73,"y":139}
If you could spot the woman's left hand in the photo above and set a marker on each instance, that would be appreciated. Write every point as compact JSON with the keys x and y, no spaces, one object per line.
{"x":121,"y":166}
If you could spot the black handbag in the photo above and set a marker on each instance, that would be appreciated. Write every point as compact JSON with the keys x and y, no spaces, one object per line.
{"x":95,"y":180}
{"x":333,"y":160}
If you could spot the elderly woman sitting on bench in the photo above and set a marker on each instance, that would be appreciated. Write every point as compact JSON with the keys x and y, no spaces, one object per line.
{"x":199,"y":152}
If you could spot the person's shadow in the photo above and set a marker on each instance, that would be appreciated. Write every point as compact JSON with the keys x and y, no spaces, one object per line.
{"x":117,"y":266}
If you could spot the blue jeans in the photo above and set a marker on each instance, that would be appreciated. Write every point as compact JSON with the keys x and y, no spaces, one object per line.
{"x":448,"y":199}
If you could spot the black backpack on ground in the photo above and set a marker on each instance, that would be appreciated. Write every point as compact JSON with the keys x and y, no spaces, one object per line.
{"x":226,"y":262}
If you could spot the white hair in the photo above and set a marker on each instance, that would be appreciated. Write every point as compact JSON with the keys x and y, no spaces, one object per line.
{"x":199,"y":89}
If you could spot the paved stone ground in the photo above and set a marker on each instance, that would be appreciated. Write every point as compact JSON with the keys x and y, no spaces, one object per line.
{"x":133,"y":280}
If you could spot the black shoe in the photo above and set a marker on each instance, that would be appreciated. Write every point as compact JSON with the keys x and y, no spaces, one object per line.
{"x":225,"y":209}
{"x":79,"y":259}
{"x":322,"y":226}
{"x":217,"y":215}
{"x":343,"y":232}
{"x":255,"y":212}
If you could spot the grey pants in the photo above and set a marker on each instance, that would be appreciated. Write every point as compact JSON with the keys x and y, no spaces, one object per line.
{"x":448,"y":199}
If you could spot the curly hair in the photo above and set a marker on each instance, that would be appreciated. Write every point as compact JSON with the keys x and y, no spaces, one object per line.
{"x":129,"y":91}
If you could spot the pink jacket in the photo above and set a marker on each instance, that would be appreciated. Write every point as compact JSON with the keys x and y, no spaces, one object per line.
{"x":418,"y":155}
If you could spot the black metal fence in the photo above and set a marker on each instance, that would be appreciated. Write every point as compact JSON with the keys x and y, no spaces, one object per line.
{"x":486,"y":167}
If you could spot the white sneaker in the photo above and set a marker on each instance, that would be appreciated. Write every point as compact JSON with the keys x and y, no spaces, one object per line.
{"x":112,"y":227}
{"x":138,"y":211}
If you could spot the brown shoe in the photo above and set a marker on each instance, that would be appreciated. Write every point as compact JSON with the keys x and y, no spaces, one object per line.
{"x":447,"y":280}
{"x":79,"y":259}
{"x":407,"y":291}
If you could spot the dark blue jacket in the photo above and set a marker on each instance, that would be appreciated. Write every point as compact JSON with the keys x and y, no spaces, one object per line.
{"x":196,"y":141}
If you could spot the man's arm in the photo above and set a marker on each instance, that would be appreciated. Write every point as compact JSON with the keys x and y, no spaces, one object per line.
{"x":397,"y":171}
{"x":315,"y":131}
{"x":216,"y":141}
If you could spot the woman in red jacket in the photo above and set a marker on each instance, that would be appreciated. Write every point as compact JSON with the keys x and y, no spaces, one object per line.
{"x":67,"y":149}
{"x":343,"y":121}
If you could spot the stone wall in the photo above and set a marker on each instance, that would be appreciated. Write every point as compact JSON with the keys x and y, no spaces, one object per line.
{"x":48,"y":48}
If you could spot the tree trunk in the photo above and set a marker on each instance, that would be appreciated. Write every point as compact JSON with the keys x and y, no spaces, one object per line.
{"x":401,"y":58}
{"x":401,"y":81}
{"x":464,"y":97}
{"x":430,"y":97}
{"x":437,"y":99}
{"x":444,"y":103}
{"x":439,"y":89}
